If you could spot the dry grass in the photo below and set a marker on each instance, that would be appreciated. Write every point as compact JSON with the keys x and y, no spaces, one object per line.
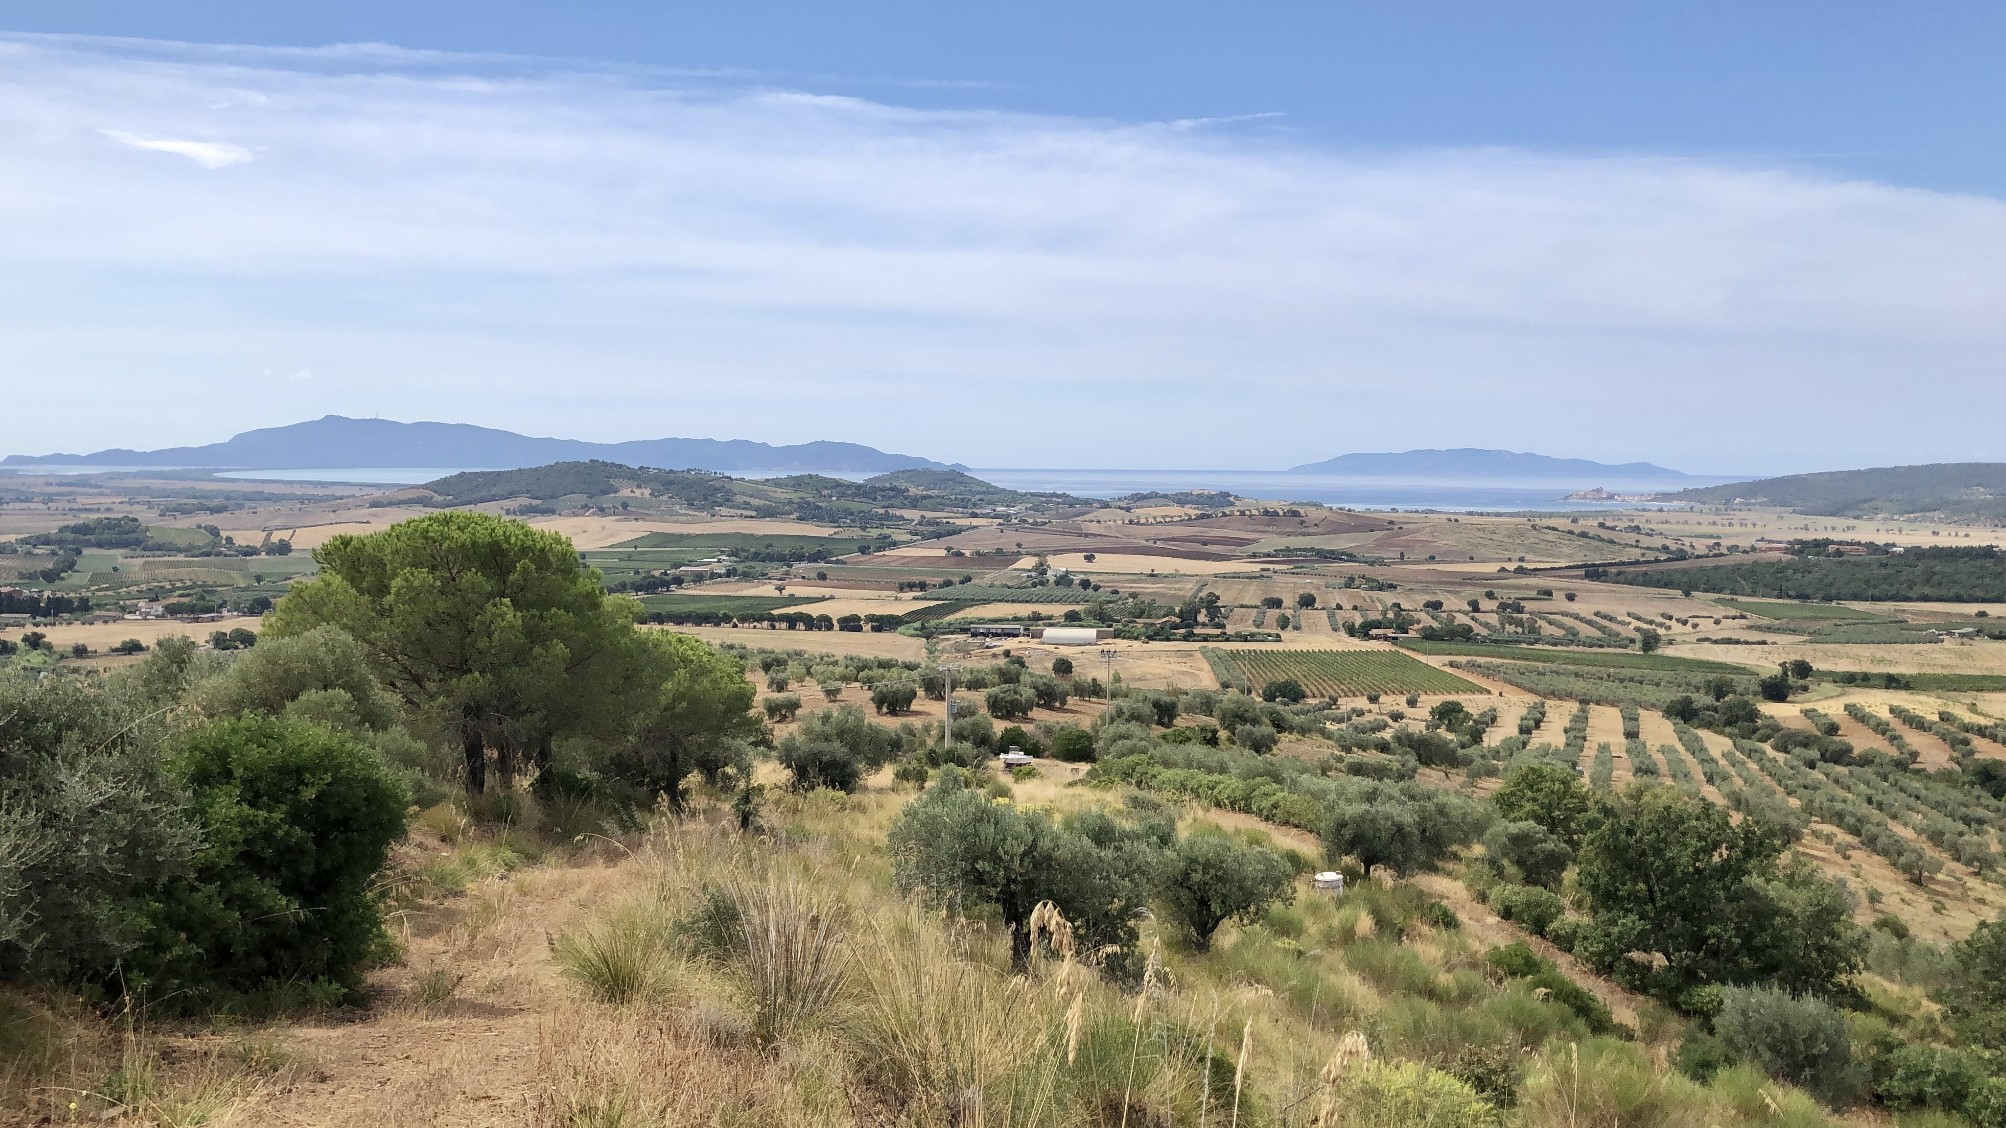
{"x":580,"y":992}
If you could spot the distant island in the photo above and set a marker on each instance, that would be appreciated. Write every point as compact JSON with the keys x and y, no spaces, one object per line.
{"x":336,"y":442}
{"x":1472,"y":462}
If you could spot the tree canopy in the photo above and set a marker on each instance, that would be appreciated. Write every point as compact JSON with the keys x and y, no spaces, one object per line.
{"x":1674,"y":879}
{"x":489,"y":629}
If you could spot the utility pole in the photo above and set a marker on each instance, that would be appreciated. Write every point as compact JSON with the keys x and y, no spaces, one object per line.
{"x":947,"y":694}
{"x":1109,"y":654}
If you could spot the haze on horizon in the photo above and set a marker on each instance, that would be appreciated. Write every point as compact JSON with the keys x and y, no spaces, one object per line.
{"x":943,"y":255}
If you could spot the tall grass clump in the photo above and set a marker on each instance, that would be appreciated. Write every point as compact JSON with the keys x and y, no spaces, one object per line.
{"x":792,"y":952}
{"x":1605,"y":1083}
{"x":619,"y":960}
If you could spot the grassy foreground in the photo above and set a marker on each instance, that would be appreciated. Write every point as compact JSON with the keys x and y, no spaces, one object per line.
{"x":692,"y":974}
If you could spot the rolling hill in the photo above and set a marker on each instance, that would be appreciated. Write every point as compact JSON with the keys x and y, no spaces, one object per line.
{"x":813,"y":496}
{"x":1953,"y":489}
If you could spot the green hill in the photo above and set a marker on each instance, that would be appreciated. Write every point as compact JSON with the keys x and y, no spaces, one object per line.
{"x":582,"y":479}
{"x":1953,"y":489}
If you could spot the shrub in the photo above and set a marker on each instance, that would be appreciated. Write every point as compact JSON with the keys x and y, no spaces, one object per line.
{"x":780,"y":707}
{"x":1565,"y":932}
{"x":1406,"y":1095}
{"x":1606,"y":1082}
{"x":1517,"y":960}
{"x":893,"y":697}
{"x":1701,"y":1055}
{"x":618,"y":960}
{"x":1073,"y":744}
{"x":1799,"y":1039}
{"x":1062,"y":666}
{"x":1010,"y":702}
{"x":790,"y":943}
{"x":1255,"y":738}
{"x":1286,"y":690}
{"x":296,"y":821}
{"x":1529,"y":852}
{"x":820,"y":763}
{"x":94,"y":825}
{"x":1921,"y":1076}
{"x":1985,"y":1105}
{"x":1530,"y":907}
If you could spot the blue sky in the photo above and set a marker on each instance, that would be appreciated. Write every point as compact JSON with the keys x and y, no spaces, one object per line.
{"x":1718,"y":237}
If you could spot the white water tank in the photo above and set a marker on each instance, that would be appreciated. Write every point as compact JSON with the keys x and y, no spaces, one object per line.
{"x":1331,"y":880}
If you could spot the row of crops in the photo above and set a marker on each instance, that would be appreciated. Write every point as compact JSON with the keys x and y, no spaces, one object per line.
{"x":1335,"y":673}
{"x":1610,"y":685}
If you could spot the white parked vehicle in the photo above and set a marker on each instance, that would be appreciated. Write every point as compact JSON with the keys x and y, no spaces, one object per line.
{"x":1015,"y":758}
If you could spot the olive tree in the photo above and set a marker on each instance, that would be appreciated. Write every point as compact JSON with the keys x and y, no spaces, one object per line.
{"x":1210,"y":879}
{"x":957,"y":848}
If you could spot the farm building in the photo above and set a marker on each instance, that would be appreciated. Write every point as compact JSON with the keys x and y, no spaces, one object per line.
{"x":1072,"y":636}
{"x":998,"y":630}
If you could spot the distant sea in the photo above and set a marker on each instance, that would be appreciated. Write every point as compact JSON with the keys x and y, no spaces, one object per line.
{"x":1485,"y":495}
{"x":1454,"y":495}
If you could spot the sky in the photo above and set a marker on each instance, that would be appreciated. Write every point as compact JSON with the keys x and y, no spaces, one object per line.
{"x":1725,"y":238}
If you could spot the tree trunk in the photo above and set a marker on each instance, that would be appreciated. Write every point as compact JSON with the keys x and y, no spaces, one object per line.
{"x":1020,"y":945}
{"x":505,"y":763}
{"x":546,"y":771}
{"x":476,"y":752}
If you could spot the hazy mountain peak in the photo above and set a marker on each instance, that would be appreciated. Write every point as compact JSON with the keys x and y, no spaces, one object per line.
{"x":340,"y":442}
{"x":1473,"y":462}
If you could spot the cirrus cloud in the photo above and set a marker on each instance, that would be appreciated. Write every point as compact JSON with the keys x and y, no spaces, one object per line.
{"x":208,"y":154}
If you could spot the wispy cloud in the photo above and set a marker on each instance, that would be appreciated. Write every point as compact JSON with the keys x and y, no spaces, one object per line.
{"x":208,"y":154}
{"x":613,"y":254}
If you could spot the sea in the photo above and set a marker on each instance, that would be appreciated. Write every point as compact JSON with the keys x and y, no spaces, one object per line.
{"x":1454,"y":495}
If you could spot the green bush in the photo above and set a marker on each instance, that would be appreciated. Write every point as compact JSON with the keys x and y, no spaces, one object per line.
{"x":1796,"y":1038}
{"x":1408,"y":1095}
{"x":1565,"y":931}
{"x":1985,"y":1105}
{"x":1255,"y":738}
{"x":296,"y":821}
{"x":1517,"y":960}
{"x":1701,"y":1055}
{"x":94,"y":824}
{"x":1531,"y":908}
{"x":1073,"y":744}
{"x":820,"y":763}
{"x":1920,"y":1076}
{"x":1527,"y":852}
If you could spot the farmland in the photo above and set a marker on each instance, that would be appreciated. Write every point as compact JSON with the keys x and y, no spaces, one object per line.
{"x":1340,"y":673}
{"x":1603,"y":659}
{"x":725,"y":604}
{"x":1772,"y":610}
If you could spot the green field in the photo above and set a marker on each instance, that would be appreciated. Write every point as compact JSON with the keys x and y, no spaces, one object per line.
{"x":1339,"y":673}
{"x":726,"y":604}
{"x":176,"y":535}
{"x":983,"y":593}
{"x":744,"y":544}
{"x":1770,"y":610}
{"x":1607,"y":659}
{"x":1932,"y":683}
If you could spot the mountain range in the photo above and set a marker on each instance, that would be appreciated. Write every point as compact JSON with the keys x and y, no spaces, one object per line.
{"x":338,"y":442}
{"x":1471,"y":462}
